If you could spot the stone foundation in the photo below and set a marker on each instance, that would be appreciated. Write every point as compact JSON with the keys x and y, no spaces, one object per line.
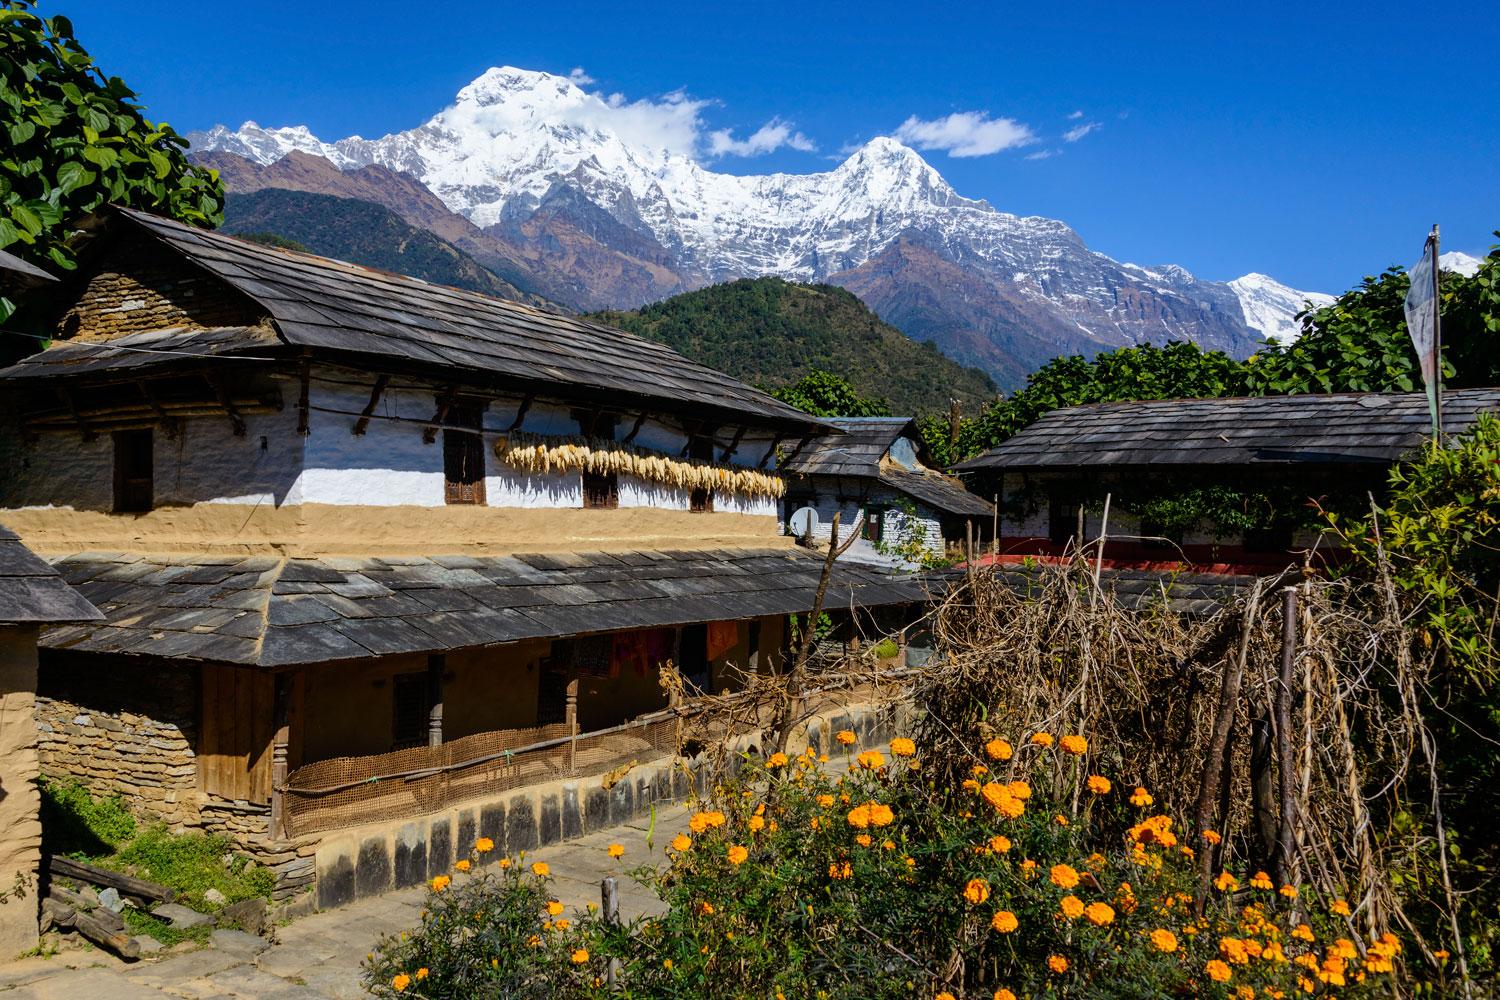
{"x":377,"y":858}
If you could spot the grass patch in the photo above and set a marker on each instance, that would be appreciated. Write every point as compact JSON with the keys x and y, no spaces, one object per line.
{"x":103,"y":832}
{"x":140,"y":922}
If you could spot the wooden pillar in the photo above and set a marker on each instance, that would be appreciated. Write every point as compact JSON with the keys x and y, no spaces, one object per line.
{"x":570,"y":719}
{"x":436,"y":664}
{"x":280,"y":742}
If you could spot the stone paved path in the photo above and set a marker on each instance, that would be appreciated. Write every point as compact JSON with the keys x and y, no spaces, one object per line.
{"x":318,"y":957}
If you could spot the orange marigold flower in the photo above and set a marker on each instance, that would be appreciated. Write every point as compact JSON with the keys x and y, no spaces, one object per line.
{"x":1071,"y":907}
{"x":1099,"y":784}
{"x":903,"y":747}
{"x":1217,"y":971}
{"x":540,"y":869}
{"x":979,"y":770}
{"x":945,"y":995}
{"x":871,"y":759}
{"x":440,"y":883}
{"x":400,"y":982}
{"x":1163,"y":940}
{"x":462,"y":865}
{"x":1260,"y":880}
{"x":999,"y":844}
{"x":706,"y":820}
{"x":1226,"y":882}
{"x":1302,"y":932}
{"x":977,"y":891}
{"x":777,"y":759}
{"x":840,"y":871}
{"x":1060,"y":819}
{"x":1099,"y":914}
{"x":681,"y":842}
{"x":1028,"y":868}
{"x":1289,"y":891}
{"x":706,"y":908}
{"x":1019,"y":789}
{"x":1339,"y":908}
{"x":1041,"y":739}
{"x":1003,"y":994}
{"x":1096,"y":862}
{"x":863,"y":840}
{"x":1140,"y":798}
{"x":1004,"y":921}
{"x":845,"y":737}
{"x":998,"y":749}
{"x":554,"y":908}
{"x":484,"y":845}
{"x":422,"y":972}
{"x":1074,"y":744}
{"x":580,"y":956}
{"x":616,"y":850}
{"x":825,"y":801}
{"x":1064,"y":876}
{"x":756,"y":823}
{"x":1057,"y":964}
{"x":1212,"y":836}
{"x":737,"y":855}
{"x":889,"y":845}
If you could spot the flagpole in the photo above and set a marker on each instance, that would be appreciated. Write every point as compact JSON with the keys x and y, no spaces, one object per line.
{"x":1437,"y":333}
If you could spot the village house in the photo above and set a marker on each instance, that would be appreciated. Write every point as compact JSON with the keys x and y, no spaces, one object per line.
{"x":373,"y":551}
{"x":879,"y":479}
{"x":1054,"y":477}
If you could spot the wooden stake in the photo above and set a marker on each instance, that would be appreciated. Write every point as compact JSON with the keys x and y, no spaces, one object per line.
{"x":521,"y":413}
{"x":1286,"y":838}
{"x":363,"y":422}
{"x":636,"y":428}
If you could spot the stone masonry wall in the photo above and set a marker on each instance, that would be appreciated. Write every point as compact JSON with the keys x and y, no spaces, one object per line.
{"x":121,"y":732}
{"x":141,"y":286}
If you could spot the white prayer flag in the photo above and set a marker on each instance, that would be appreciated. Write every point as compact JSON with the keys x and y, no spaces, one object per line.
{"x":1422,"y":324}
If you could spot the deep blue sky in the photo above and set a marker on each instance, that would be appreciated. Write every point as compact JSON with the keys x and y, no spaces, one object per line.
{"x":1316,"y":141}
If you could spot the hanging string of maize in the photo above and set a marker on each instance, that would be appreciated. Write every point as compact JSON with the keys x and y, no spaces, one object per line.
{"x":537,"y":453}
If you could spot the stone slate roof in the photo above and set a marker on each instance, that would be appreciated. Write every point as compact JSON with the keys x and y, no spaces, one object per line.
{"x":15,"y":272}
{"x":1338,"y":428}
{"x":937,"y":491}
{"x":267,"y":611}
{"x":360,"y":313}
{"x":32,"y":591}
{"x":142,"y":350}
{"x":856,"y":452}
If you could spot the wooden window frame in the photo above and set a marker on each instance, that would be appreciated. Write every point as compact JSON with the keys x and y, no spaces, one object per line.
{"x":134,"y":494}
{"x":1062,"y":521}
{"x":601,"y":490}
{"x":463,"y":455}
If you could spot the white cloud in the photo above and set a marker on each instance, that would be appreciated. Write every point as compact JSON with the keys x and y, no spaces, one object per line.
{"x":579,"y":77}
{"x":1072,"y":118}
{"x":1078,"y":132}
{"x":965,"y":133}
{"x":771,"y":136}
{"x":1042,"y":154}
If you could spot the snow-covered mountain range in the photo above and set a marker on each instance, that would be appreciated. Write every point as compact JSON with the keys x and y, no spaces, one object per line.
{"x":537,"y":162}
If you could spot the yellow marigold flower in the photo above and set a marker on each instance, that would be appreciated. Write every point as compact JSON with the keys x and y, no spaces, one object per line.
{"x":1163,"y":940}
{"x":756,"y":823}
{"x":777,"y":760}
{"x":737,"y":855}
{"x":1099,"y":914}
{"x":1260,"y":880}
{"x":1004,"y":921}
{"x":561,"y":925}
{"x":440,"y":883}
{"x":903,"y":747}
{"x":1057,"y":964}
{"x":1226,"y":882}
{"x":554,"y":908}
{"x":422,"y":972}
{"x":1004,"y":995}
{"x":1071,"y":907}
{"x":462,"y":864}
{"x":863,"y":840}
{"x":1041,"y":739}
{"x":400,"y":982}
{"x":1074,"y":744}
{"x":945,"y":995}
{"x":1096,"y":862}
{"x":999,"y":844}
{"x":580,"y":956}
{"x":840,"y":871}
{"x":1019,"y":789}
{"x":1212,"y":836}
{"x":888,"y":845}
{"x":700,"y":821}
{"x":1289,"y":891}
{"x":825,"y":801}
{"x":1064,"y":876}
{"x":1060,"y":819}
{"x":616,"y":850}
{"x":484,"y":845}
{"x":1028,"y":868}
{"x":681,"y":842}
{"x":1141,"y":798}
{"x":1217,"y":971}
{"x":666,"y":963}
{"x":970,"y":785}
{"x":1234,"y":950}
{"x":870,"y":759}
{"x":998,"y":749}
{"x":979,"y":770}
{"x":845,"y":737}
{"x":1302,"y":932}
{"x":977,"y":891}
{"x":1099,"y":784}
{"x":504,"y":863}
{"x":706,"y":908}
{"x":1339,"y":908}
{"x":540,"y":869}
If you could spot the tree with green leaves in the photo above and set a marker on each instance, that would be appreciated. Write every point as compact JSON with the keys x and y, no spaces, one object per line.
{"x":75,"y":140}
{"x":824,"y":394}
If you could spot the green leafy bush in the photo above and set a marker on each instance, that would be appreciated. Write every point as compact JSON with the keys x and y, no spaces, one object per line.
{"x":1032,"y":879}
{"x":77,"y":824}
{"x":192,"y":864}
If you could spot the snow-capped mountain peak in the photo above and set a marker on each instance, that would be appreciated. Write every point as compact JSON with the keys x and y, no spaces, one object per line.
{"x":1459,"y":263}
{"x":1271,"y":307}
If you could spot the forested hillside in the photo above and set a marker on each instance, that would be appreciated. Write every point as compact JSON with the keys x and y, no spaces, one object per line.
{"x":773,"y":332}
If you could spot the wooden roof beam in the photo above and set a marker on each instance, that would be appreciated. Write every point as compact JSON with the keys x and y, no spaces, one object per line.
{"x":521,"y":411}
{"x":640,"y":421}
{"x":445,"y":403}
{"x":734,"y":445}
{"x":775,"y":443}
{"x":381,"y":381}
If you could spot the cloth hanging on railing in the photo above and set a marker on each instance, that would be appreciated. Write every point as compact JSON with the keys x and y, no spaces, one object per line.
{"x":722,"y":637}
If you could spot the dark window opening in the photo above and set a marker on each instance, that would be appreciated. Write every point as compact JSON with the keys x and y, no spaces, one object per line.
{"x":601,"y":491}
{"x":701,"y":448}
{"x":409,"y":696}
{"x":701,"y":501}
{"x":551,"y":697}
{"x":1062,"y":521}
{"x":463,"y":456}
{"x":1276,"y":539}
{"x":134,"y":493}
{"x":597,"y":425}
{"x":693,"y":655}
